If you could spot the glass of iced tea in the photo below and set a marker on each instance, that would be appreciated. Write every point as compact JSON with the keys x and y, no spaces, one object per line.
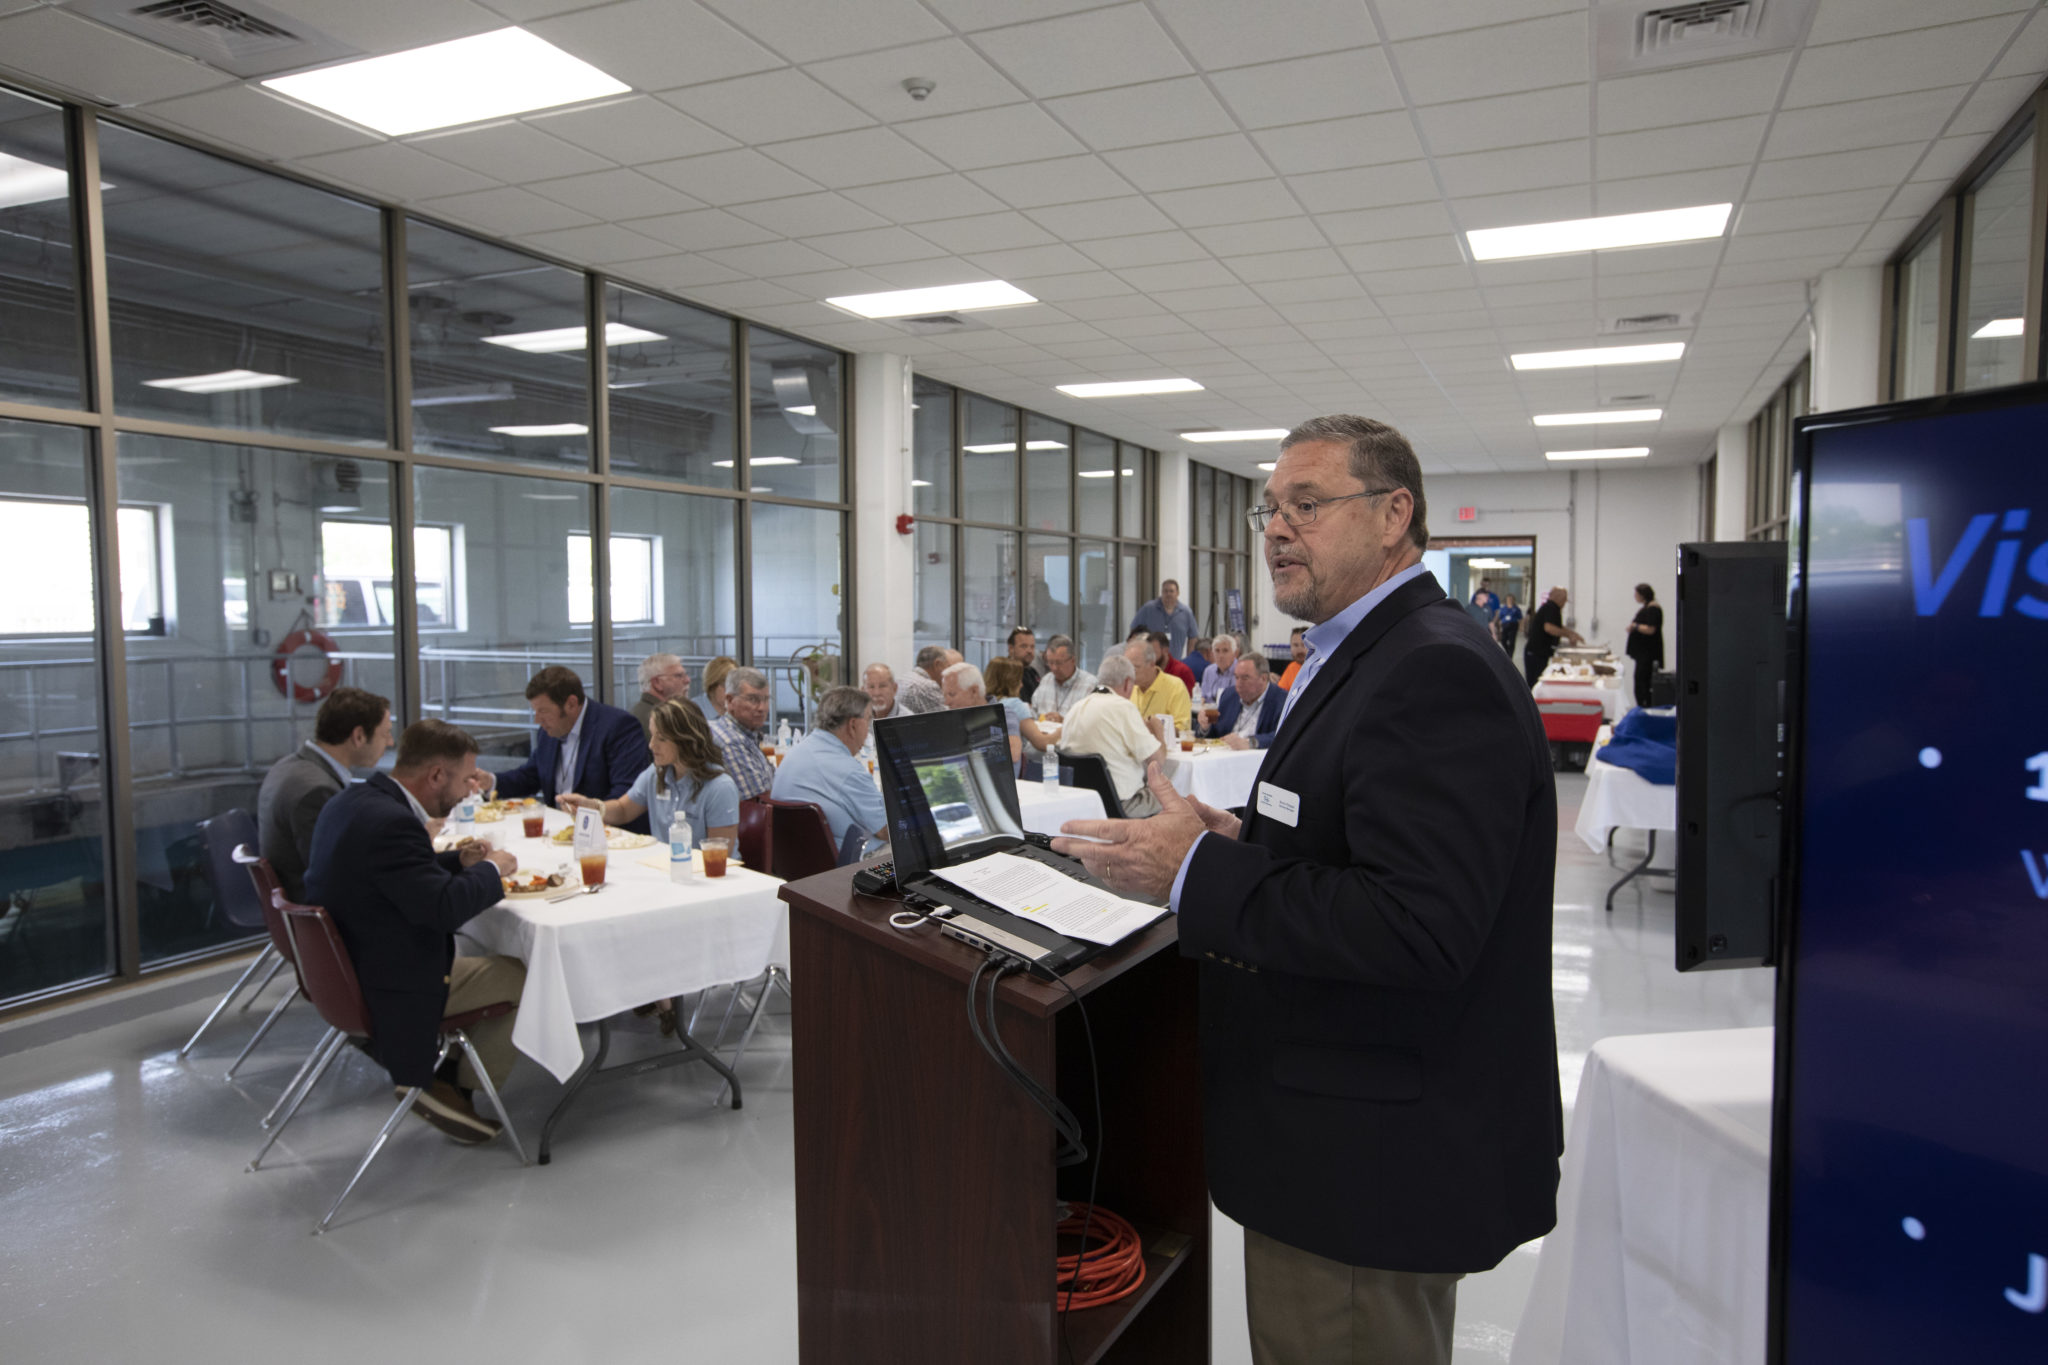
{"x":1187,"y":744}
{"x":714,"y":856}
{"x":592,"y":866}
{"x":535,"y":825}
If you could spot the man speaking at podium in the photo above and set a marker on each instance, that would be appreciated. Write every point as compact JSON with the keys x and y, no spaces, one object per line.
{"x":1379,"y":1061}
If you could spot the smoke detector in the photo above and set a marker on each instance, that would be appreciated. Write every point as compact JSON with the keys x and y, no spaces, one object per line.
{"x":920,"y":88}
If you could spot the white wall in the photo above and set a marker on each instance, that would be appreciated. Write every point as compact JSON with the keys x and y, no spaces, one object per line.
{"x":880,"y":484}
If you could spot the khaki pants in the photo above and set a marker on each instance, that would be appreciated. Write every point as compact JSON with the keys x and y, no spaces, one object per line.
{"x":1308,"y":1310}
{"x":1140,"y":804}
{"x":474,"y":982}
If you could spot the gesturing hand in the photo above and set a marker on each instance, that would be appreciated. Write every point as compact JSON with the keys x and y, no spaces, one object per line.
{"x":1142,"y":857}
{"x":1213,"y":820}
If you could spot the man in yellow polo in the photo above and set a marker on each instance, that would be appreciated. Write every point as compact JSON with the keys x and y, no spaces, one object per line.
{"x":1157,"y":692}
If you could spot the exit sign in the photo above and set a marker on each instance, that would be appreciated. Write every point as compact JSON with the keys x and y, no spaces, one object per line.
{"x":1468,"y":514}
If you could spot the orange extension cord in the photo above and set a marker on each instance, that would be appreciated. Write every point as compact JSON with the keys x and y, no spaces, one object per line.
{"x":1111,"y":1269}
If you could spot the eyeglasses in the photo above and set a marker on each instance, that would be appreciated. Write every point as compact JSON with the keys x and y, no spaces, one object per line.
{"x":1299,"y":512}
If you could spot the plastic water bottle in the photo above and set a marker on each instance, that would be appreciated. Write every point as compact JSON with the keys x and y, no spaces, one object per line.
{"x":1051,"y":767}
{"x":679,"y":848}
{"x":465,"y":816}
{"x":782,"y":736}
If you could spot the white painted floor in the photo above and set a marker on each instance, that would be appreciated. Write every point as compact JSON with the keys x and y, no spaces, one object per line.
{"x":664,"y":1230}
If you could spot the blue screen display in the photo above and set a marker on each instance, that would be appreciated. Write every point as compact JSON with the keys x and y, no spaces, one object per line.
{"x":1915,"y":1118}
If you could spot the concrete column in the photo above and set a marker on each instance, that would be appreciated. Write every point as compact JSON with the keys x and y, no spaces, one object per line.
{"x":1176,"y":479}
{"x":884,"y":561}
{"x":1731,"y":481}
{"x":1847,"y":311}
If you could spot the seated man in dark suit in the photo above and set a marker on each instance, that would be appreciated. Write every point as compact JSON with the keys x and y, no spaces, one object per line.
{"x":582,"y":746}
{"x":1249,"y":714}
{"x":397,"y":905}
{"x":352,"y":730}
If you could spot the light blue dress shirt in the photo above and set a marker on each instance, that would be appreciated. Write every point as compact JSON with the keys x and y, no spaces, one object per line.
{"x":716,"y":805}
{"x":1322,"y":641}
{"x":819,"y":768}
{"x":565,"y":761}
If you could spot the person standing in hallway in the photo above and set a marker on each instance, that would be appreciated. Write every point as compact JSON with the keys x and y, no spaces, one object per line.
{"x":1170,"y":616}
{"x":1646,"y":641}
{"x":1380,"y":1090}
{"x":1508,"y":624}
{"x":1546,"y":628}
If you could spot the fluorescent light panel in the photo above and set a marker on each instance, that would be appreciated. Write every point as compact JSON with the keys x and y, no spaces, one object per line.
{"x":1106,"y":473}
{"x":223,"y":381}
{"x":1997,"y":327}
{"x":1002,"y":446}
{"x":572,"y":338}
{"x":1600,"y":234}
{"x":1269,"y":465}
{"x":1125,"y":388}
{"x":1593,"y":419}
{"x":549,"y":429}
{"x":1599,"y":355}
{"x":490,"y":75}
{"x":30,"y":182}
{"x":944,"y":298}
{"x":759,"y":461}
{"x":1614,"y":453}
{"x":1262,"y":434}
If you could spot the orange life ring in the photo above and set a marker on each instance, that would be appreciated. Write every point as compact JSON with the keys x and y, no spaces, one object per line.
{"x":281,"y":665}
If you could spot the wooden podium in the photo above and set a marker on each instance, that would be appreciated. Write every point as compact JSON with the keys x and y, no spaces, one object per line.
{"x":926,"y":1193}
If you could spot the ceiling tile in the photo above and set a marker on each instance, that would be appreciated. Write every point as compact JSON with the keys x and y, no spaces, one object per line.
{"x":1084,"y":285}
{"x":681,"y":271}
{"x":769,"y":106}
{"x":1834,"y":23}
{"x":921,"y":200}
{"x":2028,"y":55}
{"x":1184,"y":165}
{"x":1317,"y":299}
{"x":1403,"y":254}
{"x":1993,"y":102}
{"x":1244,"y":203}
{"x":985,"y":232}
{"x":804,"y":31}
{"x":392,"y":25}
{"x":1101,"y":218}
{"x":1178,"y":275}
{"x":702,"y":230}
{"x":1771,"y":246}
{"x":864,"y":156}
{"x":523,"y":10}
{"x":657,"y":44}
{"x":1370,"y":225}
{"x":1405,"y":182}
{"x":772,"y":258}
{"x":1063,"y":180}
{"x":970,"y":15}
{"x":993,"y":137}
{"x":735,"y":177}
{"x":1222,"y":33}
{"x":1286,"y":265}
{"x":506,"y":211}
{"x":876,"y":246}
{"x":1497,"y":60}
{"x":1644,"y":194}
{"x":1310,"y":88}
{"x":1132,"y":115}
{"x":1659,"y":151}
{"x":1185,"y":301}
{"x":927,"y":273}
{"x":1145,"y":248}
{"x":1549,"y":164}
{"x":1914,"y":116}
{"x":1692,"y":94}
{"x":1419,"y":18}
{"x":511,"y":152}
{"x":615,"y":195}
{"x":1856,"y":170}
{"x":249,"y":117}
{"x":631,"y":131}
{"x":744,"y":294}
{"x":1120,"y":45}
{"x":1249,"y":239}
{"x":597,"y":244}
{"x":961,"y":78}
{"x":394,"y":171}
{"x":1334,"y":144}
{"x":72,"y":54}
{"x":1952,"y":54}
{"x":1016,"y":263}
{"x":805,"y":214}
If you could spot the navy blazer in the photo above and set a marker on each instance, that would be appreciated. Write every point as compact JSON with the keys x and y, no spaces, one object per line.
{"x":1379,"y":1060}
{"x":397,"y":904}
{"x":611,"y":754}
{"x":1231,"y":706}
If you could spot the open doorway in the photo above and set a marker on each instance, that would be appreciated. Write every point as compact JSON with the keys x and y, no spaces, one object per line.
{"x":1504,"y":565}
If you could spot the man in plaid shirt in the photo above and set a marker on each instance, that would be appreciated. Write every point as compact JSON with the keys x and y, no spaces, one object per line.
{"x":742,"y":730}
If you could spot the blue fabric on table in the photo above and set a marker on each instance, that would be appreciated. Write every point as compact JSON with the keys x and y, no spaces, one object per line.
{"x":1646,"y":743}
{"x":1658,"y":724}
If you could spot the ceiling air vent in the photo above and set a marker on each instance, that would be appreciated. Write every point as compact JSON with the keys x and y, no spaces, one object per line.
{"x":1636,"y":36}
{"x":242,"y":39}
{"x":1647,"y":322}
{"x":940,"y":324}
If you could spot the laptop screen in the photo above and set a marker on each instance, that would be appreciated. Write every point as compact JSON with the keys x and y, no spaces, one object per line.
{"x":947,"y":786}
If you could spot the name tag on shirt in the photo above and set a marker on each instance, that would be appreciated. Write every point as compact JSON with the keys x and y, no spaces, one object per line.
{"x":1278,"y":803}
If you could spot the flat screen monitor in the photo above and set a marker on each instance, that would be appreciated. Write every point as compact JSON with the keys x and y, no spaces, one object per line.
{"x":1731,"y":680}
{"x":1910,"y":1154}
{"x":948,"y":788}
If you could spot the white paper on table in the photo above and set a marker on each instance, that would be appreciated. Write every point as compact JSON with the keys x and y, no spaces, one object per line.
{"x":590,"y":838}
{"x":1060,"y":903}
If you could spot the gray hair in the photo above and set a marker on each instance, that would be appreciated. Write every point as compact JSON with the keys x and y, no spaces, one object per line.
{"x":1065,"y":642}
{"x":930,"y":655}
{"x":841,"y":705}
{"x":887,"y":672}
{"x":1380,"y":458}
{"x":743,"y":678}
{"x":967,"y":678}
{"x":1235,"y":641}
{"x":1151,"y":650}
{"x":1260,"y":664}
{"x":1116,"y":670}
{"x":654,"y":665}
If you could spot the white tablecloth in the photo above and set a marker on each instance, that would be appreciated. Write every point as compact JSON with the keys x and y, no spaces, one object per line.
{"x":642,"y":938}
{"x":1222,"y":777}
{"x":1622,"y":798}
{"x":1614,"y":701}
{"x":1044,"y":809}
{"x":1661,"y":1248}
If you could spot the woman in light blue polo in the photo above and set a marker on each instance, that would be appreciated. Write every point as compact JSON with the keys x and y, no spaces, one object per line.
{"x":686,"y":776}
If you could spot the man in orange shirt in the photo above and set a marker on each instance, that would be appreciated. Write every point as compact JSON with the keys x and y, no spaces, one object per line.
{"x":1297,"y":648}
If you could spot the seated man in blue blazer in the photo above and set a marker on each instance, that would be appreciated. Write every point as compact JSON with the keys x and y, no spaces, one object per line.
{"x":1249,"y":713}
{"x":397,"y":905}
{"x":582,"y":746}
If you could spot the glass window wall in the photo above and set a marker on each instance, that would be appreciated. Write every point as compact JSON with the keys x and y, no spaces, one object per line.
{"x":799,"y":605}
{"x":693,"y":607}
{"x":1095,"y":483}
{"x":40,"y":356}
{"x":670,"y":391}
{"x":1048,"y":474}
{"x":932,"y":449}
{"x":795,"y":409}
{"x":1993,"y":334}
{"x":988,"y":459}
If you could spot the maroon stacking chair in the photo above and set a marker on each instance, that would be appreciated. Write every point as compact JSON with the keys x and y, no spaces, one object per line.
{"x":803,"y":842}
{"x":224,"y":835}
{"x":269,"y":891}
{"x":330,"y":981}
{"x":757,"y":834}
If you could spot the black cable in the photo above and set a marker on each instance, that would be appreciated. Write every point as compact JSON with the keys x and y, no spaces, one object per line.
{"x":1063,"y":1118}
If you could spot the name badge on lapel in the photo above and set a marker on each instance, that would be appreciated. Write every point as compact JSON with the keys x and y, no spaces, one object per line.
{"x":1277,"y":803}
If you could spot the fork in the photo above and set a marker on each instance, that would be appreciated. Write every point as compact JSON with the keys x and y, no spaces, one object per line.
{"x":579,"y":891}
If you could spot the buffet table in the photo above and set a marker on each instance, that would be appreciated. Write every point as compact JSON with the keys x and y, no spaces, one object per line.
{"x":1661,"y":1248}
{"x":1615,"y":701}
{"x":1620,"y":798}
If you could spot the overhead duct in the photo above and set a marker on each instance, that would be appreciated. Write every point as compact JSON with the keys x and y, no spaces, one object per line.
{"x":243,"y":39}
